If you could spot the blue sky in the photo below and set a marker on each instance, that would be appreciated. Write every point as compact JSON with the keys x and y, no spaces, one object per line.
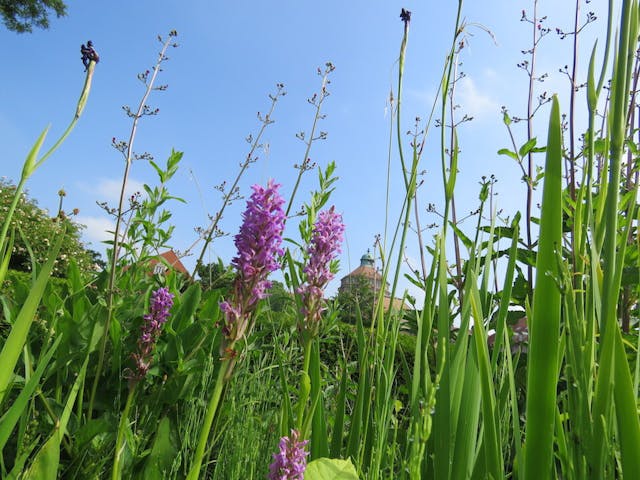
{"x":230,"y":57}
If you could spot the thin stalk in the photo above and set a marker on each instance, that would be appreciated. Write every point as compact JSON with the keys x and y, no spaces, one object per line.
{"x":305,"y":387}
{"x":223,"y":374}
{"x":228,"y":197}
{"x":572,"y":102}
{"x":453,"y":149}
{"x":530,"y":163}
{"x":124,"y":419}
{"x":614,"y":374}
{"x":317,"y":101}
{"x":116,"y":235}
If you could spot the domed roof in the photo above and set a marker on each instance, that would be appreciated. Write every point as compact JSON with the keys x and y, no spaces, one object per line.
{"x":367,"y":260}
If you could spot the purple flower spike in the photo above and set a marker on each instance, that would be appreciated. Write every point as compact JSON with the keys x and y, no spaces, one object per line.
{"x":324,"y":247}
{"x":258,"y":244}
{"x":161,"y":303}
{"x":291,"y":460}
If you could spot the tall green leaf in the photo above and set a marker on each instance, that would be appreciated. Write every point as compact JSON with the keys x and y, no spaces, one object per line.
{"x":20,"y":329}
{"x":544,"y":326}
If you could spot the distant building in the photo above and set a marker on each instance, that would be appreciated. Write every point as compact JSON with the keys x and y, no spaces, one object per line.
{"x":165,"y":261}
{"x":519,"y":339}
{"x":368,"y":272}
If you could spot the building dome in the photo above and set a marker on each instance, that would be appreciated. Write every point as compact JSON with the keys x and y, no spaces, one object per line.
{"x":367,"y":260}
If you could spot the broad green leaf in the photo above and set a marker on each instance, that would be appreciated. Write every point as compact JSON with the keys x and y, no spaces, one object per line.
{"x":162,"y":453}
{"x":330,"y":469}
{"x":189,"y":302}
{"x":544,"y":327}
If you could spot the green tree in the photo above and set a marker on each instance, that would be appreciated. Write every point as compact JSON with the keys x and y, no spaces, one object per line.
{"x":358,"y":293}
{"x":35,"y":231}
{"x":22,"y":15}
{"x":215,"y":275}
{"x":279,"y":297}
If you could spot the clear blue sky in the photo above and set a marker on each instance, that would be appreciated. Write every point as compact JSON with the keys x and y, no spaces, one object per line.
{"x":231,"y":55}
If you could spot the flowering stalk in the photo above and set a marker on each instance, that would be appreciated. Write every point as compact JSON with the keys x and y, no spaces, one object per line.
{"x":326,"y":237}
{"x":291,"y":460}
{"x":258,"y":245}
{"x":324,"y":246}
{"x":161,"y":303}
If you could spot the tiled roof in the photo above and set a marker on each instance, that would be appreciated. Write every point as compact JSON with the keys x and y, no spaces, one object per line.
{"x":174,"y":262}
{"x":365,"y":271}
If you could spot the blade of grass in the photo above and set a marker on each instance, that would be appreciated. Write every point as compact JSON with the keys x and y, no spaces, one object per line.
{"x":491,"y":431}
{"x":46,"y":462}
{"x":11,"y":417}
{"x":20,"y":329}
{"x":339,"y":416}
{"x":544,"y":326}
{"x":614,"y":371}
{"x":319,"y":444}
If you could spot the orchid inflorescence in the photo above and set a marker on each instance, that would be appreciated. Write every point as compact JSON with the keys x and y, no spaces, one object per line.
{"x":291,"y":460}
{"x":325,"y":243}
{"x":258,"y":245}
{"x":161,"y":303}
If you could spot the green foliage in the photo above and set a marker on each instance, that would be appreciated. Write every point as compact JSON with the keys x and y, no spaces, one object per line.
{"x":215,"y":275}
{"x":36,"y":232}
{"x":357,"y":299}
{"x":149,"y":229}
{"x":280,"y":299}
{"x":22,"y":15}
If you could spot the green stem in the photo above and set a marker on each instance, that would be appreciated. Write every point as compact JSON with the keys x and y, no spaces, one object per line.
{"x":31,"y":165}
{"x":124,"y":420}
{"x":12,"y":208}
{"x":225,"y":369}
{"x":305,"y":385}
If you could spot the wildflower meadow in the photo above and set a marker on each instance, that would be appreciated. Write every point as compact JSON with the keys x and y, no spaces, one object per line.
{"x":516,"y":358}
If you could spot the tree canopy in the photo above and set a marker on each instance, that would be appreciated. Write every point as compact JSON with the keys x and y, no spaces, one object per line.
{"x":22,"y":15}
{"x":358,"y":295}
{"x":35,"y":231}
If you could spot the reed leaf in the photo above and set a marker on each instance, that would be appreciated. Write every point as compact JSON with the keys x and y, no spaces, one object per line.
{"x":20,"y":329}
{"x":544,"y":327}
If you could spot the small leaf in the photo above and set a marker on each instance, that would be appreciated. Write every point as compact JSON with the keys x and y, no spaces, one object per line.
{"x":506,"y":119}
{"x":527,"y":147}
{"x":509,"y":153}
{"x":30,"y":164}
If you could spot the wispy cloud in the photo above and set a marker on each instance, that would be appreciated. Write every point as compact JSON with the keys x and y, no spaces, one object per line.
{"x":473,"y":101}
{"x":108,"y":189}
